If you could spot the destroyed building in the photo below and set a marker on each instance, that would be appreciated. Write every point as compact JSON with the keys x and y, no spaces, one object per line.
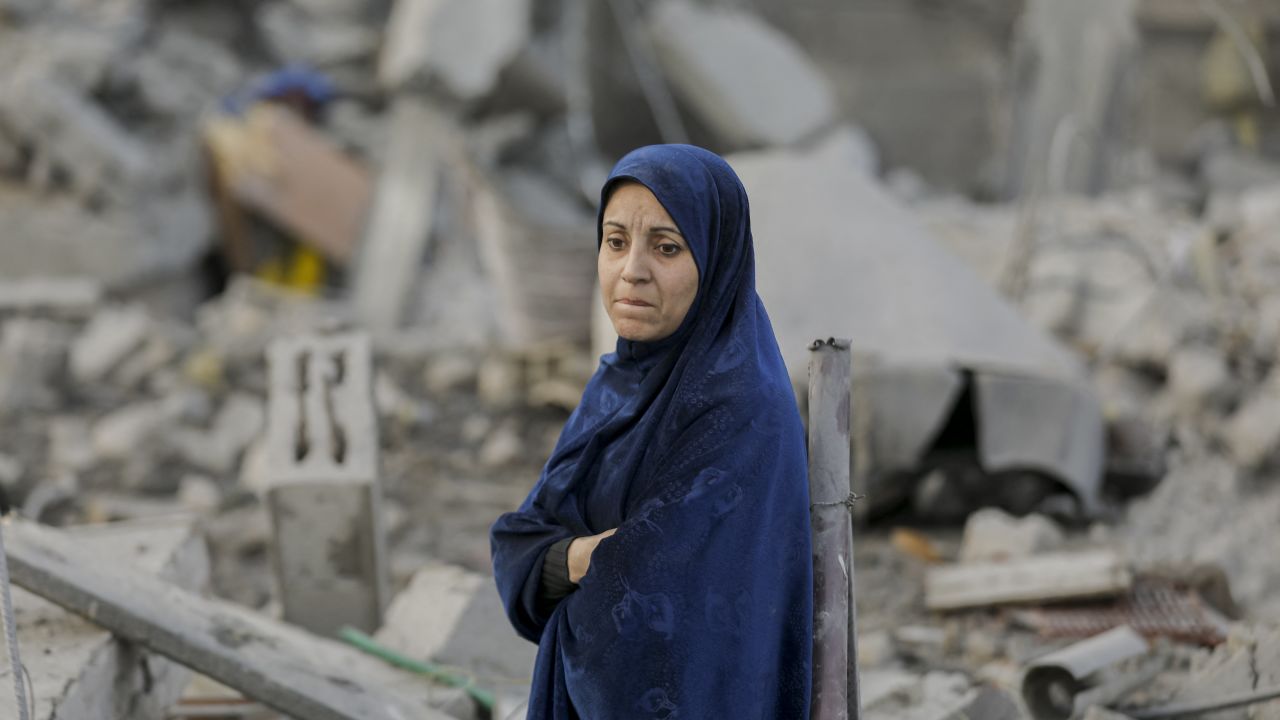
{"x":268,"y":262}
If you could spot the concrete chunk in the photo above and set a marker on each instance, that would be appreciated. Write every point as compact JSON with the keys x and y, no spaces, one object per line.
{"x":745,"y":80}
{"x":1253,"y":433}
{"x":217,"y":450}
{"x":455,"y":617}
{"x":325,"y":499}
{"x":464,"y":43}
{"x":111,"y":335}
{"x":992,"y":534}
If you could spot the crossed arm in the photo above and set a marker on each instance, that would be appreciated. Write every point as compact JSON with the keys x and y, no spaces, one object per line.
{"x":565,"y":564}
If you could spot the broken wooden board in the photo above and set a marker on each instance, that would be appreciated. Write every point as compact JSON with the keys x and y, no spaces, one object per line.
{"x":282,"y":667}
{"x":1038,"y":579}
{"x":272,"y":161}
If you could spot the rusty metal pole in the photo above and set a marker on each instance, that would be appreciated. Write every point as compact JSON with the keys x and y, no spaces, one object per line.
{"x":835,"y":685}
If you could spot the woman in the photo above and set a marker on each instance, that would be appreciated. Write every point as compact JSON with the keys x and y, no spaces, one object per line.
{"x":662,"y":560}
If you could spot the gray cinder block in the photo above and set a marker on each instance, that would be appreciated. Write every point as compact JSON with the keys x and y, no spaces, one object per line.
{"x":328,"y":541}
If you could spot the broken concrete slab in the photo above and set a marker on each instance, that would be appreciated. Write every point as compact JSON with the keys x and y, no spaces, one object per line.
{"x":119,"y":245}
{"x":97,"y":154}
{"x":890,"y":254}
{"x":67,"y":296}
{"x":325,"y":496}
{"x":283,"y":667}
{"x":401,"y":218}
{"x":992,"y":534}
{"x":748,"y":83}
{"x":1044,"y":578}
{"x":79,"y":670}
{"x":464,"y":44}
{"x":454,"y":617}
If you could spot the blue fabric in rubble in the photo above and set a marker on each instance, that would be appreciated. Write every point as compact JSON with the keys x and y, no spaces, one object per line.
{"x":692,"y":446}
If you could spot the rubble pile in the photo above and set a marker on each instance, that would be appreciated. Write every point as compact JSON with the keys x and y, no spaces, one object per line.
{"x":112,"y":413}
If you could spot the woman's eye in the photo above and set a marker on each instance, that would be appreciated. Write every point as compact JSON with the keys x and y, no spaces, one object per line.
{"x":669,"y":249}
{"x":615,"y":243}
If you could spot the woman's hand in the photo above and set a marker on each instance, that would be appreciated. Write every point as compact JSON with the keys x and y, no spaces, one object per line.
{"x":580,"y":553}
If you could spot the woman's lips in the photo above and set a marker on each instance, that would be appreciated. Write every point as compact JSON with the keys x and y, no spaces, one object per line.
{"x":634,"y":302}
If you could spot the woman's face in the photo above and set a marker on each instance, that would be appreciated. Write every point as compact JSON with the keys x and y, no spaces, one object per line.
{"x":648,"y":278}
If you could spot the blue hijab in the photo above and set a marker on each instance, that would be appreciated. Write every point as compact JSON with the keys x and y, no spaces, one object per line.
{"x":700,"y":606}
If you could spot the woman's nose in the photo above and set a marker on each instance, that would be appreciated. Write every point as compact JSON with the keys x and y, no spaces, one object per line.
{"x":636,"y":268}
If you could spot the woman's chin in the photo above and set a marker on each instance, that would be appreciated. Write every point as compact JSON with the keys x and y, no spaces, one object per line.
{"x":636,"y":332}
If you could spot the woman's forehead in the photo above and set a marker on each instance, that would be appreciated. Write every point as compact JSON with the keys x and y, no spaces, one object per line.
{"x":631,"y":202}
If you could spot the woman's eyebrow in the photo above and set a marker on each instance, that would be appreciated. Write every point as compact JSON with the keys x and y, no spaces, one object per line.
{"x":616,"y":224}
{"x":664,"y":229}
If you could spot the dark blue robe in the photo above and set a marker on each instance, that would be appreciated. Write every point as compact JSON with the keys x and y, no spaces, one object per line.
{"x":700,"y":606}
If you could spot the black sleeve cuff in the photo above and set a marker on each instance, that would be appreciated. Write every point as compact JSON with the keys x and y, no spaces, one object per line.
{"x":555,"y":584}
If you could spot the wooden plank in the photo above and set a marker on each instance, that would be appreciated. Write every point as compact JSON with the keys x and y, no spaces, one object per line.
{"x":1042,"y":578}
{"x":282,"y":667}
{"x":835,"y":687}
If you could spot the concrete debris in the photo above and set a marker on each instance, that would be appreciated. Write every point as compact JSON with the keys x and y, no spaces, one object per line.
{"x":934,"y":696}
{"x":296,"y":35}
{"x":1253,"y":433}
{"x":451,"y":372}
{"x":1075,"y":58}
{"x":1199,"y":380}
{"x":83,"y":670}
{"x":993,"y":535}
{"x":217,"y":450}
{"x":1204,"y":513}
{"x":111,"y":336}
{"x":501,"y":447}
{"x":267,"y":660}
{"x":745,"y":80}
{"x":59,"y":296}
{"x":33,"y":354}
{"x":464,"y":44}
{"x":122,"y":433}
{"x":450,"y":616}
